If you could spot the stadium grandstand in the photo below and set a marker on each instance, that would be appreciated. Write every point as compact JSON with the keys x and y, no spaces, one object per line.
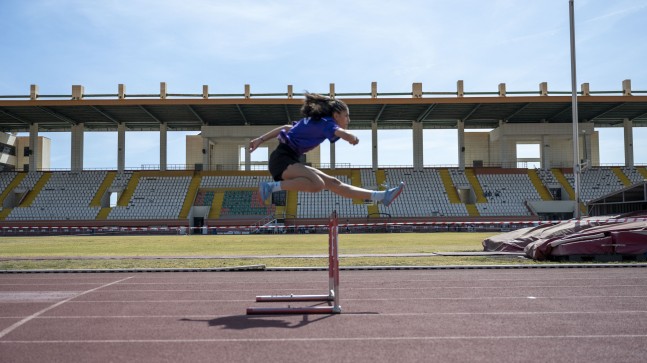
{"x":218,"y":184}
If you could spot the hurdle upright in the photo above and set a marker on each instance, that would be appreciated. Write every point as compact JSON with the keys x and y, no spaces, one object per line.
{"x":332,"y":298}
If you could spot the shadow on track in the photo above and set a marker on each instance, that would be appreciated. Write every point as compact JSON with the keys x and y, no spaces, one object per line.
{"x":242,"y":322}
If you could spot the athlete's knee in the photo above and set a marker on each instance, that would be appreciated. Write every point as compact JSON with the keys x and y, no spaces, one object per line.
{"x":333,"y":184}
{"x":315,"y":187}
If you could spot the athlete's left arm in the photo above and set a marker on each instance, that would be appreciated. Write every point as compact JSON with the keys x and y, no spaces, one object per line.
{"x":349,"y":137}
{"x":255,"y":143}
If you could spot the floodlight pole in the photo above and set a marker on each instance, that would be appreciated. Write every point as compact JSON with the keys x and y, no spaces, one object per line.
{"x":576,"y":148}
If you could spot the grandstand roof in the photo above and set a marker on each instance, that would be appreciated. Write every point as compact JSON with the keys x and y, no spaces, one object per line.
{"x":631,"y":199}
{"x":146,"y":114}
{"x":634,"y":193}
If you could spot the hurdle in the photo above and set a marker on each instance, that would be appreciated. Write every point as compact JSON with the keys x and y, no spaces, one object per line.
{"x":332,"y":298}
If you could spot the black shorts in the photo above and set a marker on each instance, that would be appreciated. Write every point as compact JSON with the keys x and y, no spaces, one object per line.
{"x":282,"y":157}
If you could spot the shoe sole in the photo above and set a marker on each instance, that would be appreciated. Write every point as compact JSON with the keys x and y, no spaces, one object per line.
{"x":395,"y":196}
{"x":260,"y":196}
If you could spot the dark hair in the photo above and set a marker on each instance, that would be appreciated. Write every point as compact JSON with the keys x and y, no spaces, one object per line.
{"x":317,"y":106}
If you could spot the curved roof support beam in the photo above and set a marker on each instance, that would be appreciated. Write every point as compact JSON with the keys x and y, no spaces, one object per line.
{"x":466,"y":117}
{"x":15,"y":117}
{"x":516,"y":111}
{"x":607,"y":111}
{"x":379,"y":114}
{"x":150,"y":114}
{"x":242,"y":114}
{"x":426,"y":112}
{"x":639,"y":116}
{"x":104,"y":114}
{"x":287,"y":113}
{"x":58,"y":115}
{"x":193,"y":111}
{"x":567,"y":108}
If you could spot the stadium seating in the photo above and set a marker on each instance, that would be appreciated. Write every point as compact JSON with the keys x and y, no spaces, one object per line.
{"x":68,"y":195}
{"x":233,"y":181}
{"x":159,"y":197}
{"x":65,"y":196}
{"x":424,"y":196}
{"x":548,"y":178}
{"x":5,"y":179}
{"x":243,"y":203}
{"x":506,"y":194}
{"x":319,"y":205}
{"x":596,"y":182}
{"x":632,"y":173}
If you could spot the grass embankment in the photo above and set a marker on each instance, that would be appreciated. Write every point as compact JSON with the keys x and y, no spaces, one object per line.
{"x":212,"y":251}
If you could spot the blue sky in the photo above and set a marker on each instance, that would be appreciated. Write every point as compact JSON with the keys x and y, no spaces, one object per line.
{"x":310,"y":44}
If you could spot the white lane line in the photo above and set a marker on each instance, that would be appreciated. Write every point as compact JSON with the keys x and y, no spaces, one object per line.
{"x":346,"y":315}
{"x":176,"y":301}
{"x":35,"y":296}
{"x":394,"y":288}
{"x":328,"y":339}
{"x":37,"y":314}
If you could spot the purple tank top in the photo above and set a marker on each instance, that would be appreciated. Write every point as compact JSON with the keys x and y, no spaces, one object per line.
{"x":306,"y":134}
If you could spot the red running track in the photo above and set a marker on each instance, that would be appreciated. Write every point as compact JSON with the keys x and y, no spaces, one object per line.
{"x":510,"y":315}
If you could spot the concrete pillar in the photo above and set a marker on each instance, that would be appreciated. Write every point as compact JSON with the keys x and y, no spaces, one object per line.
{"x":626,"y":87}
{"x":333,"y":152}
{"x":545,"y":153}
{"x":121,"y":147}
{"x":460,"y":125}
{"x":629,"y":142}
{"x":77,"y":92}
{"x":163,"y":90}
{"x":418,"y":159}
{"x":33,"y":92}
{"x":374,"y":144}
{"x":248,"y":155}
{"x":586,"y":139}
{"x":460,"y":91}
{"x":504,"y":155}
{"x":206,"y":153}
{"x":502,"y":90}
{"x":507,"y":156}
{"x":121,"y":91}
{"x":34,"y":148}
{"x":163,"y":145}
{"x":416,"y":90}
{"x":77,"y":147}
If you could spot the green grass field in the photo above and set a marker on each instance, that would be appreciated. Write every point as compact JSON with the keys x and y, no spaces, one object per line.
{"x":197,"y":251}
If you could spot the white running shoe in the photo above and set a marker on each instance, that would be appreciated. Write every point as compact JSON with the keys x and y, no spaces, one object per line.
{"x":265,"y":191}
{"x":391,"y":194}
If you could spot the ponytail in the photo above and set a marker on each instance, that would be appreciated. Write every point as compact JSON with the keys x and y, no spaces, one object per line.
{"x":317,"y":106}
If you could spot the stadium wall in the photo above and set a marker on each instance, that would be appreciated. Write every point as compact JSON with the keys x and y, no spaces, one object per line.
{"x":219,"y":148}
{"x":499,"y":146}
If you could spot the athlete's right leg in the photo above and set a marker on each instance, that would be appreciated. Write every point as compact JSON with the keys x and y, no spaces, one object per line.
{"x":302,"y":178}
{"x":305,"y":178}
{"x":299,"y":177}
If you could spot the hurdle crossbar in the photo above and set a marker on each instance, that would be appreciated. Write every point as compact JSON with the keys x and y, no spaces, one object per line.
{"x":332,"y":298}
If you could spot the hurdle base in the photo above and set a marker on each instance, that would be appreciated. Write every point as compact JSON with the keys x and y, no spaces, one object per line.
{"x":288,"y":298}
{"x":294,"y":310}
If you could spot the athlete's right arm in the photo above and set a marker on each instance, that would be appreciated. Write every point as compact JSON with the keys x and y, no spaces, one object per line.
{"x":255,"y":143}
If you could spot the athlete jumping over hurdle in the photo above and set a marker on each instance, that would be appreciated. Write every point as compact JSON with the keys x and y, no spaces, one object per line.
{"x":324,"y":118}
